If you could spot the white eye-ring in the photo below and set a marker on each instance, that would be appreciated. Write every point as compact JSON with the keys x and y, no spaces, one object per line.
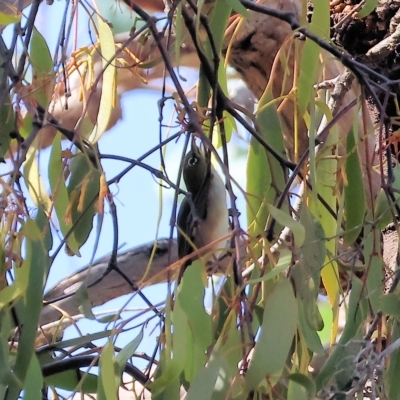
{"x":192,"y":161}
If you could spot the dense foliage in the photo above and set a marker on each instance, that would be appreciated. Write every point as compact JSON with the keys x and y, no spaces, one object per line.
{"x":318,"y":195}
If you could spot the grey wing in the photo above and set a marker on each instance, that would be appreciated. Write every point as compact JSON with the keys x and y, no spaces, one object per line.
{"x":185,"y":228}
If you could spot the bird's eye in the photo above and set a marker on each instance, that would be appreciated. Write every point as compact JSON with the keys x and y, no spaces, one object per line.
{"x":192,"y":161}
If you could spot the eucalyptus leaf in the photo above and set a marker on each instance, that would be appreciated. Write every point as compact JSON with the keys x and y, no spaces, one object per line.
{"x":279,"y":323}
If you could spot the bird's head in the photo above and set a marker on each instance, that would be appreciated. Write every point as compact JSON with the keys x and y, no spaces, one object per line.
{"x":194,"y":170}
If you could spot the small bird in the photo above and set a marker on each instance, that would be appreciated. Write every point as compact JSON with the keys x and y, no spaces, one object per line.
{"x":203,"y":216}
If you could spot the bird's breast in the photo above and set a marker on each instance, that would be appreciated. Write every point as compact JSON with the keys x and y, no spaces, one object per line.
{"x":216,"y":224}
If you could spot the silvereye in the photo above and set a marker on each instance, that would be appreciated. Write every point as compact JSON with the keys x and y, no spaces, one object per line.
{"x":202,"y":218}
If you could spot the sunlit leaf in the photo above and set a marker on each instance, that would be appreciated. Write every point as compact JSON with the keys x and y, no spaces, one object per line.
{"x":109,"y":86}
{"x":34,"y":181}
{"x":6,"y":19}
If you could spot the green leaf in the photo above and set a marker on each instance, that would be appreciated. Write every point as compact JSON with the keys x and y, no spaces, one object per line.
{"x":60,"y":193}
{"x":203,"y":386}
{"x":34,"y":182}
{"x":166,"y":377}
{"x":306,"y":275}
{"x":191,"y":298}
{"x":42,"y":64}
{"x":287,"y":220}
{"x":179,"y":33}
{"x":109,"y":86}
{"x":384,"y":209}
{"x":309,"y":69}
{"x":126,"y":353}
{"x":238,"y":7}
{"x":83,"y":191}
{"x":194,"y":325}
{"x":34,"y":381}
{"x":296,"y":391}
{"x":279,"y":324}
{"x":310,"y":64}
{"x":40,"y":56}
{"x":391,"y":375}
{"x":285,"y":258}
{"x":7,"y":118}
{"x":305,"y":382}
{"x":270,"y":128}
{"x":43,"y":224}
{"x":390,"y":305}
{"x":228,"y":351}
{"x":6,"y":19}
{"x":10,"y":294}
{"x":313,"y":250}
{"x":326,"y":187}
{"x":82,"y":298}
{"x":182,"y":340}
{"x":356,"y":314}
{"x":375,"y":264}
{"x":369,"y":6}
{"x":33,"y":271}
{"x":320,"y":25}
{"x":6,"y":377}
{"x":308,"y":328}
{"x":259,"y":189}
{"x":218,"y":23}
{"x":354,"y":196}
{"x":74,"y":380}
{"x":170,"y":388}
{"x":77,"y":341}
{"x":107,"y":390}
